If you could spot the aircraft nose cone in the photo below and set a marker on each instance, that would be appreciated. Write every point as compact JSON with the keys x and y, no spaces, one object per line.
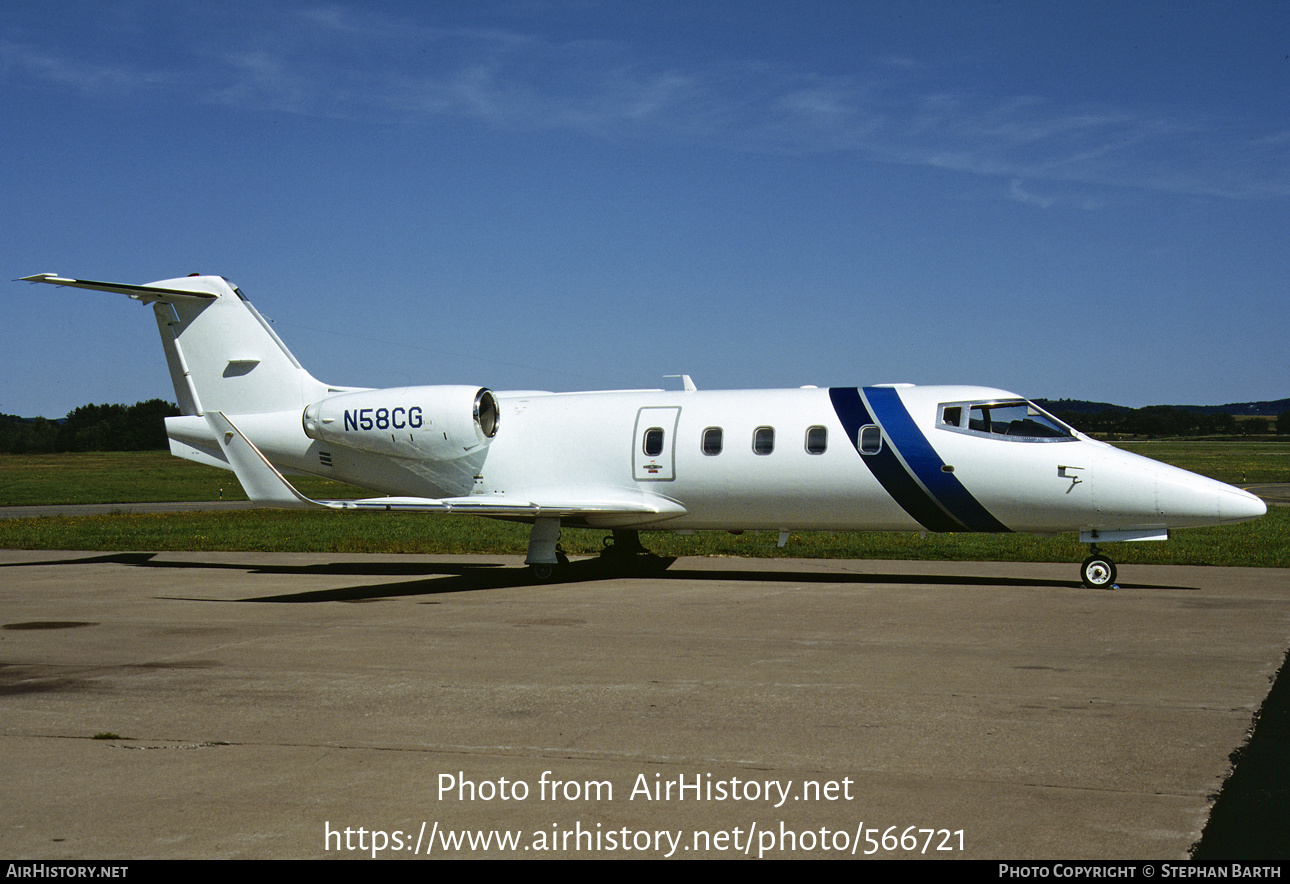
{"x":1138,"y":488}
{"x":1236,"y":505}
{"x":1201,"y":500}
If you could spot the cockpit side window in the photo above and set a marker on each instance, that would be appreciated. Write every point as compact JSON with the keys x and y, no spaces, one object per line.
{"x":1016,"y":420}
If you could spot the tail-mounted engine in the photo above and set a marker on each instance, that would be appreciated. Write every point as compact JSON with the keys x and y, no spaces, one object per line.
{"x":437,"y":423}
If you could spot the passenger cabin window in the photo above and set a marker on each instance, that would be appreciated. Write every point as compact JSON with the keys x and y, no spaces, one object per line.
{"x":1017,"y":420}
{"x":712,"y":441}
{"x":763,"y":440}
{"x":870,"y":439}
{"x":654,"y":441}
{"x":817,"y":440}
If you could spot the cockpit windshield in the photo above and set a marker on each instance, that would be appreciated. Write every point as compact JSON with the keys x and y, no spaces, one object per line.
{"x":1015,"y":419}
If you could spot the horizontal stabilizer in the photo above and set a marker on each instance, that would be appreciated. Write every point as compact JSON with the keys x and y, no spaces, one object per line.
{"x":145,"y":293}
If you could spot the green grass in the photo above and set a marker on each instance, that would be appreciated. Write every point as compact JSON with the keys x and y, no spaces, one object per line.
{"x":1229,"y":460}
{"x":1260,"y":543}
{"x":120,"y":477}
{"x":128,"y":477}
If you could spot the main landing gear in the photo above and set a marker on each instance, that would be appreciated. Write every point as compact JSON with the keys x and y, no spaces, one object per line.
{"x":1097,"y":572}
{"x":544,"y":572}
{"x":623,"y":552}
{"x":544,"y":555}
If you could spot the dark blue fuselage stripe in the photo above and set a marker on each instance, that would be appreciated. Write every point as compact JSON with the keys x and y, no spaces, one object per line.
{"x":925,"y":463}
{"x":886,"y":467}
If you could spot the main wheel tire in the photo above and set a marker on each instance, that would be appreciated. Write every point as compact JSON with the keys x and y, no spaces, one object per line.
{"x":1097,"y":572}
{"x":543,"y":573}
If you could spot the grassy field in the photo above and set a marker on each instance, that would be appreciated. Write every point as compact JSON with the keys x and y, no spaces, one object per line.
{"x":128,"y":477}
{"x":1261,"y":543}
{"x":1234,"y":461}
{"x":121,"y":477}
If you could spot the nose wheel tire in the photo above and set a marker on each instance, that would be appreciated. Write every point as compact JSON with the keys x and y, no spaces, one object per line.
{"x":1097,"y":572}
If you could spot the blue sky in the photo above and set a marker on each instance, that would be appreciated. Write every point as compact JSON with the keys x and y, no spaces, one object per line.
{"x":1086,"y":200}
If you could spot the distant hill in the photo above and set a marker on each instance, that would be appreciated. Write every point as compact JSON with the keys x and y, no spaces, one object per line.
{"x":1158,"y":421}
{"x":1078,"y":406}
{"x":1267,"y":408}
{"x":1262,"y":409}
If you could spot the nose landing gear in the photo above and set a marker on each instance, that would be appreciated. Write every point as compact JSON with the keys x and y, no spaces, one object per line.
{"x":1097,"y":572}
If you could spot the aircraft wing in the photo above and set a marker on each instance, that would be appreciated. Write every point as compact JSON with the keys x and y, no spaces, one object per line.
{"x":497,"y":505}
{"x":265,"y":484}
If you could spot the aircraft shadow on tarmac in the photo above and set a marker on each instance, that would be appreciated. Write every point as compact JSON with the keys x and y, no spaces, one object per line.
{"x":449,"y":577}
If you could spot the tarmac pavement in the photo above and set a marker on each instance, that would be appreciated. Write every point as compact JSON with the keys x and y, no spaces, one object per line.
{"x":264,"y":704}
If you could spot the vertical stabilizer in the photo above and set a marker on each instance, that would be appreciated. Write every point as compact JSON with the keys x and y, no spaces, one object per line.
{"x":223,"y":355}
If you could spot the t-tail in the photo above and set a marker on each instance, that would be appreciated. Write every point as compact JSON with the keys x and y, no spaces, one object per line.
{"x":222,"y":354}
{"x":249,"y":406}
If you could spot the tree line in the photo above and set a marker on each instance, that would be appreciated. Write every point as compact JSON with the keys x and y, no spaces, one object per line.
{"x":138,"y":427}
{"x":1165,"y":420}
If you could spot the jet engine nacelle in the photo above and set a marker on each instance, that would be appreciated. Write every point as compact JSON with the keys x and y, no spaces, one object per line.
{"x":436,"y":423}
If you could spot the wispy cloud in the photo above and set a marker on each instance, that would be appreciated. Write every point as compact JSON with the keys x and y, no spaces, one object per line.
{"x":1020,"y":192}
{"x":334,"y":61}
{"x":264,"y":81}
{"x":21,"y":62}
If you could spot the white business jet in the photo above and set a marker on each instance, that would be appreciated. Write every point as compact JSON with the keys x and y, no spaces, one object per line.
{"x":879,"y":458}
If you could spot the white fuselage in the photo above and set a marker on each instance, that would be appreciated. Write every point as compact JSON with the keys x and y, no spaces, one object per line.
{"x":784,"y":460}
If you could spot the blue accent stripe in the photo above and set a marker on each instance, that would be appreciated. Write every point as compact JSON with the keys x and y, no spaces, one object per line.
{"x":886,"y":466}
{"x":926,"y":464}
